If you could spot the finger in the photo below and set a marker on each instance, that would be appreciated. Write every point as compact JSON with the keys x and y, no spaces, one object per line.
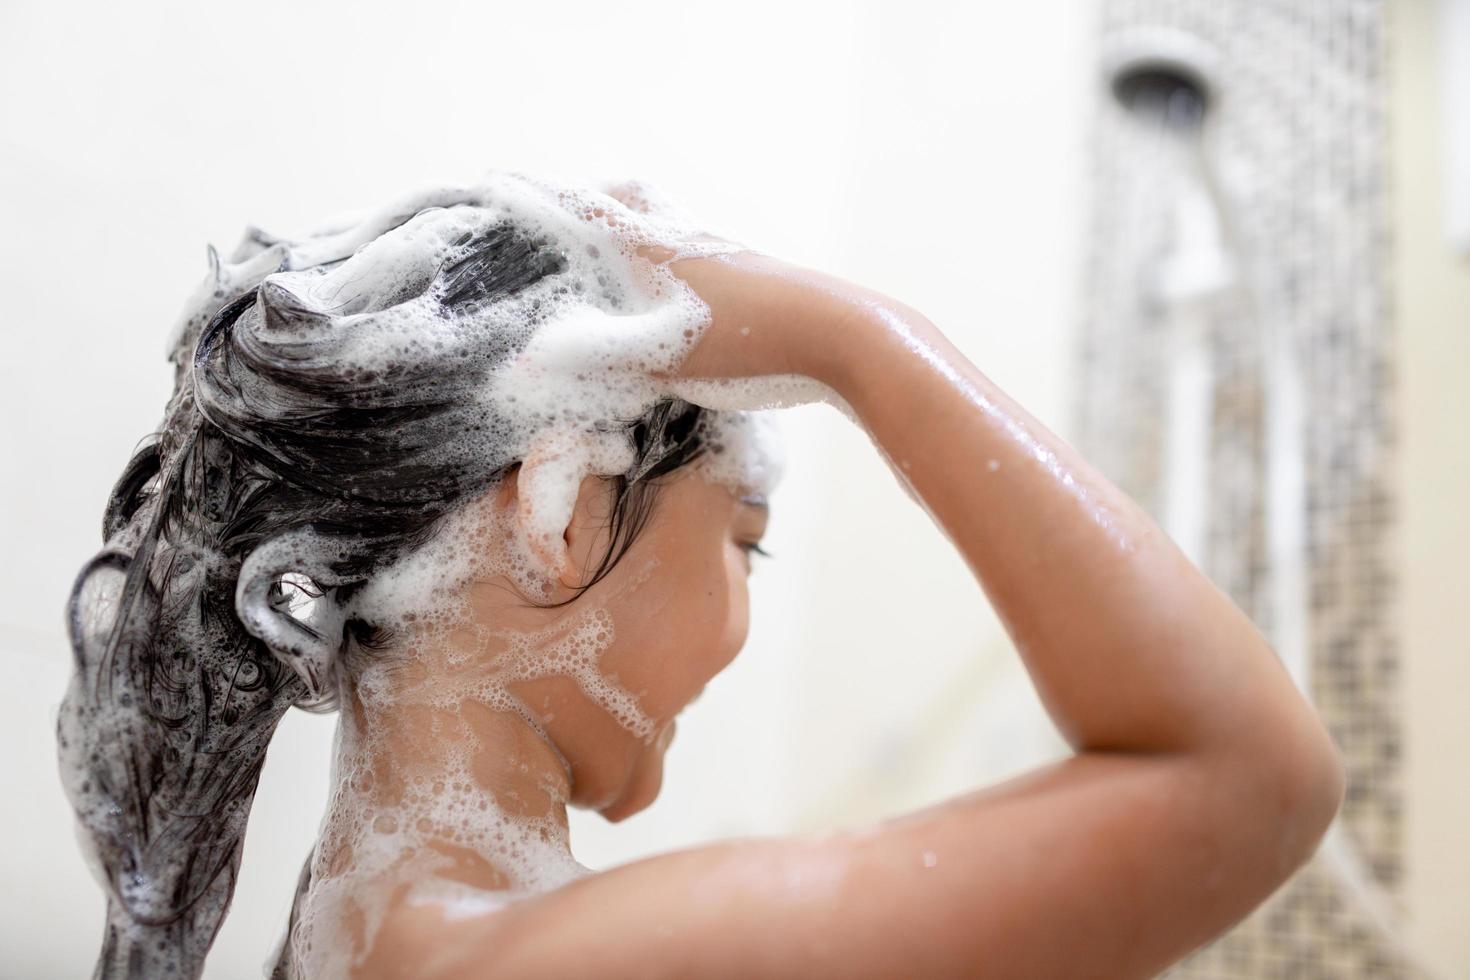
{"x":631,"y":193}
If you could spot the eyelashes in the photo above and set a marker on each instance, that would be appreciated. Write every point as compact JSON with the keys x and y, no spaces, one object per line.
{"x":751,"y":548}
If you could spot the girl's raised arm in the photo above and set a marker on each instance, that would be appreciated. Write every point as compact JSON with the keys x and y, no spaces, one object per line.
{"x":1201,"y":778}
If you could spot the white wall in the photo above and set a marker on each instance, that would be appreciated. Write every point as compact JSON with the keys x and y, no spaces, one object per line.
{"x":1432,"y":310}
{"x":922,"y":148}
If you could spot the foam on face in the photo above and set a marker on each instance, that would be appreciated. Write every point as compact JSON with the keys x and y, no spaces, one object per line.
{"x":572,"y":358}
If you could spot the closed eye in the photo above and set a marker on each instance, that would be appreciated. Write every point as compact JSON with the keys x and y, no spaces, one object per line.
{"x":750,"y":525}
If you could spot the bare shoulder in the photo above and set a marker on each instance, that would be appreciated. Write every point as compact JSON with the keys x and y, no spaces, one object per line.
{"x":795,"y":906}
{"x":1106,"y":866}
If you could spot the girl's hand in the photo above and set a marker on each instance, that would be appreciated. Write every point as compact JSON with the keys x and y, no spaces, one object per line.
{"x":767,"y":317}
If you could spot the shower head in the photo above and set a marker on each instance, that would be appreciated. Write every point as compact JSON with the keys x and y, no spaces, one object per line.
{"x":1163,"y":78}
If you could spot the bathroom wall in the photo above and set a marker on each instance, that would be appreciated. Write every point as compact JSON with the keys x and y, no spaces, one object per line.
{"x":1432,"y":310}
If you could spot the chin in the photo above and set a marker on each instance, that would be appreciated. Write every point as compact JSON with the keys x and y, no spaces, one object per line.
{"x":641,"y":789}
{"x":617,"y":813}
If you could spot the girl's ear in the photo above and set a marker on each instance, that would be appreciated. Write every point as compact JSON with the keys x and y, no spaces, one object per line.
{"x":558,"y":505}
{"x":306,"y":636}
{"x":544,"y":507}
{"x":588,"y":534}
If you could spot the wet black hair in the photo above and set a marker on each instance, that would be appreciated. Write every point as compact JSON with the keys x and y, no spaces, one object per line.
{"x":179,"y":681}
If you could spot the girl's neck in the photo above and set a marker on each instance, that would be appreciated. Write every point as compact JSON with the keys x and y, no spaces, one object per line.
{"x":461,"y":780}
{"x":436,"y":798}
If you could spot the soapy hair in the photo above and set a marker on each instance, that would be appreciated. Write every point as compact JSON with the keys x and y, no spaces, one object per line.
{"x":279,"y":468}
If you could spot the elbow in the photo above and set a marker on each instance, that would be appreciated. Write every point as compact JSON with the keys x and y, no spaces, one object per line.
{"x":1309,"y":791}
{"x":1328,"y":779}
{"x":1286,"y":783}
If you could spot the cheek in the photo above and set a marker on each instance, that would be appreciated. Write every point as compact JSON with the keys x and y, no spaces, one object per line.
{"x":715,"y":612}
{"x":737,"y":592}
{"x":681,"y":629}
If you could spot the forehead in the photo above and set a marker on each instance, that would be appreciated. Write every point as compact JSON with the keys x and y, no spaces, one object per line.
{"x":689,"y":498}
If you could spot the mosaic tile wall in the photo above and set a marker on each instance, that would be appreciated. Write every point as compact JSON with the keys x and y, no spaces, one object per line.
{"x":1295,"y":151}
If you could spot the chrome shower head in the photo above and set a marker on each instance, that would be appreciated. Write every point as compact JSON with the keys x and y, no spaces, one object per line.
{"x":1163,"y":78}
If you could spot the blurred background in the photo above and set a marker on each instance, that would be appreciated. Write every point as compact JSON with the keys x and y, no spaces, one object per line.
{"x":1222,"y":245}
